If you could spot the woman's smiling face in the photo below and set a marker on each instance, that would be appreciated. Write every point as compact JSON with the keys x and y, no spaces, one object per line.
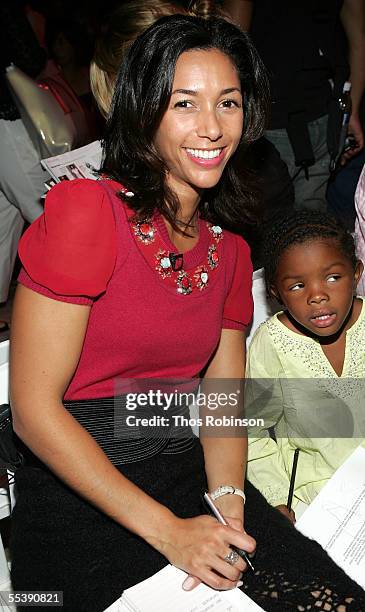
{"x":316,"y":283}
{"x":203,"y":123}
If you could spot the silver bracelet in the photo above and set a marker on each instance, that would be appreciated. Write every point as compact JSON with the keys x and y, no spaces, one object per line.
{"x":227,"y":490}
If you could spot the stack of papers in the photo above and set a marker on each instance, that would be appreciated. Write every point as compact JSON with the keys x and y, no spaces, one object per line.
{"x":79,"y":163}
{"x":163,"y":592}
{"x":336,"y":518}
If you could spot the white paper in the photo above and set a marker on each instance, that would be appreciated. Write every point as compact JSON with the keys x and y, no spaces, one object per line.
{"x":79,"y":163}
{"x":163,"y":592}
{"x":336,"y":518}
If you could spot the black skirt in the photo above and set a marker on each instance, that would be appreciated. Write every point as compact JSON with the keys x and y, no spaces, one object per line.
{"x":62,"y":543}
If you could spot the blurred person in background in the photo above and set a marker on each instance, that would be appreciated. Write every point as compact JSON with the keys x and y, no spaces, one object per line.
{"x":21,"y":175}
{"x":70,"y":42}
{"x":341,"y":192}
{"x":119,"y":29}
{"x":302,"y":47}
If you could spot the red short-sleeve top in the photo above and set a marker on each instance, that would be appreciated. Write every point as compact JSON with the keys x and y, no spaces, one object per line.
{"x":146,"y":320}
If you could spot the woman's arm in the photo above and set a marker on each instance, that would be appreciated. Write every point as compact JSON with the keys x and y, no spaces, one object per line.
{"x":47,"y":339}
{"x":225,"y":457}
{"x":46,"y":343}
{"x":353,"y":21}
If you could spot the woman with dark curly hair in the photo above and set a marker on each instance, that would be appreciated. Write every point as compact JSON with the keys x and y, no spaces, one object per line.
{"x":139,"y":276}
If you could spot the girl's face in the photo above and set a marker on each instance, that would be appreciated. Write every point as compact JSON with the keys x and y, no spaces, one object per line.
{"x":316,"y":283}
{"x":203,"y":123}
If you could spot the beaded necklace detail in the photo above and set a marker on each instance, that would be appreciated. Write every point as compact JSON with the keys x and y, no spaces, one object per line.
{"x":145,"y":231}
{"x":165,"y":262}
{"x":216,"y":231}
{"x":184,"y":284}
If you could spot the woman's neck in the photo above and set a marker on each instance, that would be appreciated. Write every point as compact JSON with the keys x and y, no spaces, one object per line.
{"x":188,"y":197}
{"x":188,"y":223}
{"x":187,"y":234}
{"x":187,"y":214}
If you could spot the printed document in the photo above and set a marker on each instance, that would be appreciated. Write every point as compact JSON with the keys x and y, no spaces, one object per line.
{"x":336,"y":518}
{"x":163,"y":593}
{"x":79,"y":163}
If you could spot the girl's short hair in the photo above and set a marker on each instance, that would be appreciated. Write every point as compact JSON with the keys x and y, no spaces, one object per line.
{"x":297,"y":228}
{"x":141,"y":97}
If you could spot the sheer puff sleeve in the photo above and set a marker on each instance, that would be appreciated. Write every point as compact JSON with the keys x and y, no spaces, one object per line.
{"x":238,"y":308}
{"x":69,"y":252}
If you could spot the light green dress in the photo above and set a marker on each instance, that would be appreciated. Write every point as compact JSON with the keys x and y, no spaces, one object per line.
{"x":294,"y":388}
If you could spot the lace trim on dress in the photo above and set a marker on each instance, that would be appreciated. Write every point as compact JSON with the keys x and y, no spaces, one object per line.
{"x":308,"y":351}
{"x":275,"y":593}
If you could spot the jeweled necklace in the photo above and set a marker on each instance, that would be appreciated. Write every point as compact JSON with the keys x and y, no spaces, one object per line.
{"x":166,"y":264}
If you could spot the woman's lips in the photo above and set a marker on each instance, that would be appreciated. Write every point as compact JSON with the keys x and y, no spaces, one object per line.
{"x":324,"y":319}
{"x":207,"y":162}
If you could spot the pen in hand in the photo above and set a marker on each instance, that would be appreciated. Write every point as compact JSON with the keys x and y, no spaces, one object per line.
{"x":213,"y":508}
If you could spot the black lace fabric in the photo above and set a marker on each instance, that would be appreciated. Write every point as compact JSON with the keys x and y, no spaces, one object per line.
{"x":275,"y":592}
{"x":293,"y":573}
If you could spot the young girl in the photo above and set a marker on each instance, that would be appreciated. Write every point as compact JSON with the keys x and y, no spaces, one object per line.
{"x":311,"y":352}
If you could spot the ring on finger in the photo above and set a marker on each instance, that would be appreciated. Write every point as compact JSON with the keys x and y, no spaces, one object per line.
{"x":232,"y":557}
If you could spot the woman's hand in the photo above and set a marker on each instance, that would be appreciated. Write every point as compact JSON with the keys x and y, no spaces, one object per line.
{"x":231,"y":507}
{"x":356,"y":131}
{"x":199,"y":546}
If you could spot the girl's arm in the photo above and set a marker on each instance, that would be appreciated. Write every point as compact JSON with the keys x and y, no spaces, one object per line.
{"x":46,"y":343}
{"x":264,"y":400}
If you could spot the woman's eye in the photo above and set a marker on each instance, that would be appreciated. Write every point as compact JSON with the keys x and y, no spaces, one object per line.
{"x":296,"y":287}
{"x":183,"y":104}
{"x":230,"y":104}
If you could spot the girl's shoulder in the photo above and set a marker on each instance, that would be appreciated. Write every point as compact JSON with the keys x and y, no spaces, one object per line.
{"x":263,"y":357}
{"x":265,"y":334}
{"x":272,"y":326}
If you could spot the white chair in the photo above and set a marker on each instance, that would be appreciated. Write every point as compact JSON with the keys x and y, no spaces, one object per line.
{"x":263,"y":308}
{"x":4,"y":491}
{"x":4,"y":372}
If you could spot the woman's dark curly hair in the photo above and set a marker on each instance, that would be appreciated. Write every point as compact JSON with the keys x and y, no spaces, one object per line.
{"x":298,"y":228}
{"x":141,"y":97}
